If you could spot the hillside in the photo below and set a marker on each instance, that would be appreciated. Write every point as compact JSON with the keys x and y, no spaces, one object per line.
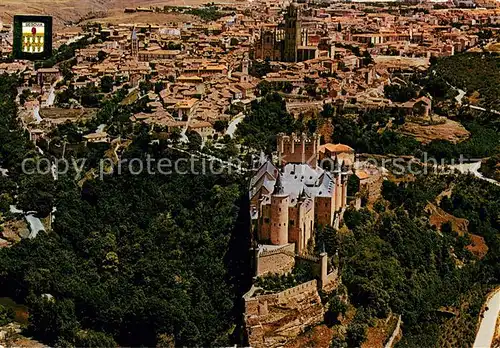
{"x":66,"y":11}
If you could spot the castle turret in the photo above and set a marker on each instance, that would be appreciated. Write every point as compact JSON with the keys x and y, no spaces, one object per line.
{"x":323,"y":268}
{"x":337,"y":175}
{"x":344,"y":172}
{"x":255,"y":255}
{"x":279,"y":214}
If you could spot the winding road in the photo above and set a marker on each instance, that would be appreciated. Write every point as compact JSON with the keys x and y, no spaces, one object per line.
{"x":231,"y":128}
{"x":473,"y":168}
{"x":487,"y":327}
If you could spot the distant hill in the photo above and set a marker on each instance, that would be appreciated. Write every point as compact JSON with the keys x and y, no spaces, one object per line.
{"x":63,"y":11}
{"x":72,"y":11}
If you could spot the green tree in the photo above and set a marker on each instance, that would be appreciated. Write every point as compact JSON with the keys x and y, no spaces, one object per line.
{"x":356,"y":334}
{"x":6,"y":315}
{"x":264,"y":121}
{"x":195,"y":140}
{"x":51,"y":320}
{"x":94,"y":339}
{"x":101,"y":55}
{"x":220,"y":126}
{"x":107,"y":82}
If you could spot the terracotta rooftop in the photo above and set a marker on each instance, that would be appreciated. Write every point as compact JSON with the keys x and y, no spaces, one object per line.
{"x":337,"y":148}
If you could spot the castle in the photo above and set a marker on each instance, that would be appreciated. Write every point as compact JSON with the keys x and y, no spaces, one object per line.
{"x":288,"y":199}
{"x":288,"y":44}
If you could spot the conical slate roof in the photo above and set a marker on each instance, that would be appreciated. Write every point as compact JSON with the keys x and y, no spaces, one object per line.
{"x":278,"y":186}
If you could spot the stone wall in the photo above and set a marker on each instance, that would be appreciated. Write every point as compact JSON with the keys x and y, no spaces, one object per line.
{"x":272,"y":320}
{"x":332,"y":281}
{"x":278,"y":261}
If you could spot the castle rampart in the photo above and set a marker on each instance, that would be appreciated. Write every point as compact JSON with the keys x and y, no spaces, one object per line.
{"x":273,"y":319}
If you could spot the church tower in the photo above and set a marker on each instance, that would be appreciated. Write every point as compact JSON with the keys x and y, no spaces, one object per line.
{"x":292,"y":33}
{"x":245,"y":64}
{"x":134,"y":47}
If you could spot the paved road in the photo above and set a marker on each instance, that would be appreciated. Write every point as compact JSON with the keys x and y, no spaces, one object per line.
{"x":36,"y":114}
{"x":52,"y":93}
{"x":487,"y":328}
{"x":484,"y":109}
{"x":52,"y":96}
{"x":231,"y":128}
{"x":460,"y":96}
{"x":473,"y":168}
{"x":34,"y":223}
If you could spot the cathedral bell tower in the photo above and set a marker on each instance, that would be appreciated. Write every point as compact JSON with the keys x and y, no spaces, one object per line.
{"x":292,"y":33}
{"x":134,"y":46}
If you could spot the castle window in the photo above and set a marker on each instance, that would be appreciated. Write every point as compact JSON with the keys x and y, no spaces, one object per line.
{"x":266,"y":220}
{"x":292,"y":222}
{"x":279,"y":209}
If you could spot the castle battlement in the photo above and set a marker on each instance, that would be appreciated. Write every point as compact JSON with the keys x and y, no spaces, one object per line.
{"x":308,"y":258}
{"x":287,"y":249}
{"x":297,"y":138}
{"x":298,"y":148}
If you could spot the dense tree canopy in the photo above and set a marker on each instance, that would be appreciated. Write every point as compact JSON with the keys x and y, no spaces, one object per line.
{"x":132,"y":258}
{"x":394,"y":261}
{"x":264,"y":121}
{"x":473,"y":72}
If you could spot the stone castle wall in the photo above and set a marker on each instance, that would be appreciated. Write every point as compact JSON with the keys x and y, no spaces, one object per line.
{"x":278,"y":261}
{"x":272,"y":320}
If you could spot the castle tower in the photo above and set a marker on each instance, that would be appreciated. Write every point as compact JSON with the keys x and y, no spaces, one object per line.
{"x":337,"y":175}
{"x":134,"y":46}
{"x":323,"y":268}
{"x":292,"y":33}
{"x":279,"y":214}
{"x":298,"y":149}
{"x":344,"y":172}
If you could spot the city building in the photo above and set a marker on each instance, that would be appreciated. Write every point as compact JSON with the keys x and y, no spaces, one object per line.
{"x":287,"y":44}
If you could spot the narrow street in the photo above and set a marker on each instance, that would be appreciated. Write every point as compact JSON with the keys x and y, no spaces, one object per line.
{"x":36,"y":114}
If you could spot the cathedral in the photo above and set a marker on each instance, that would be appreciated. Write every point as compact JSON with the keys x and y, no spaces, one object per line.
{"x":287,"y":43}
{"x":289,"y":198}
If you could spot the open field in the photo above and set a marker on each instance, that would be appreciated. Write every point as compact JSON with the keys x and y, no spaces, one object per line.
{"x":493,"y":47}
{"x":118,"y":17}
{"x":65,"y":11}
